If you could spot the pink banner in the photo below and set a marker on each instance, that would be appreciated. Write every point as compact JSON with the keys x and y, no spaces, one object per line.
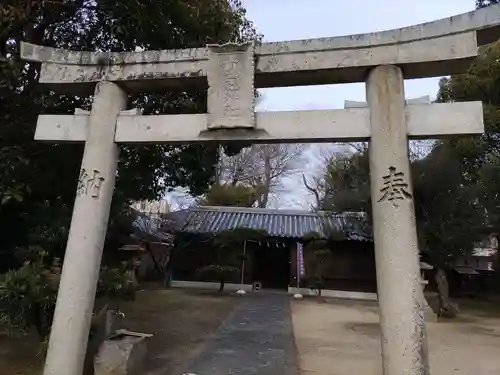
{"x":300,"y":259}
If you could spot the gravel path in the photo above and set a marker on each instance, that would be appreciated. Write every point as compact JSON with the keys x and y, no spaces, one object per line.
{"x":257,"y":339}
{"x":339,"y":337}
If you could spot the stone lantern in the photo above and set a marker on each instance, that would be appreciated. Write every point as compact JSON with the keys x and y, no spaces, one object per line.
{"x":428,"y":312}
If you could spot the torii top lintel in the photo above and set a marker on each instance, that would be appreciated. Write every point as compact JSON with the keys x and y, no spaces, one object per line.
{"x":436,"y":48}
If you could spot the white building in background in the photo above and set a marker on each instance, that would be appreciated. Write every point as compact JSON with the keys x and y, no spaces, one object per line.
{"x":484,"y":255}
{"x":152,"y":214}
{"x":154,"y":209}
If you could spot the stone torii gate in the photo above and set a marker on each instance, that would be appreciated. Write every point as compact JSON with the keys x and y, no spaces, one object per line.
{"x":383,"y":60}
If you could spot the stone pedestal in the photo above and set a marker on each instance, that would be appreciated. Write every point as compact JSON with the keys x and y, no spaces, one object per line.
{"x":123,"y":354}
{"x":404,"y":348}
{"x":429,"y":314}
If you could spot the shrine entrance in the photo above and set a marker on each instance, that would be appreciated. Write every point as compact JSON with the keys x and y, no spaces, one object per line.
{"x":271,"y":266}
{"x":233,"y":71}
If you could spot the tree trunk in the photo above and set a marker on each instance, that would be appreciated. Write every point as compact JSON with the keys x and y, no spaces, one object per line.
{"x":169,"y":268}
{"x":314,"y":191}
{"x":42,"y":320}
{"x":157,"y":267}
{"x":168,"y":279}
{"x":496,"y":262}
{"x":446,"y":308}
{"x":264,"y":198}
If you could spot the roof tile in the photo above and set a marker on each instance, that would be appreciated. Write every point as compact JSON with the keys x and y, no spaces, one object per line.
{"x":277,"y":223}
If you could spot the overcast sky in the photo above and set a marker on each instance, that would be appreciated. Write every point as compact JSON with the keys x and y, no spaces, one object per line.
{"x":280,"y":20}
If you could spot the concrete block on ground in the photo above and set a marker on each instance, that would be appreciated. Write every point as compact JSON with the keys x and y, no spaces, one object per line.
{"x":122,"y":354}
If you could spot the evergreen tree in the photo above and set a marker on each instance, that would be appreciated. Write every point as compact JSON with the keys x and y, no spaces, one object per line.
{"x":38,"y":181}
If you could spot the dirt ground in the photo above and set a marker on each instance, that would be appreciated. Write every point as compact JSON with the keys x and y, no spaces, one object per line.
{"x":180,"y":321}
{"x":336,"y":337}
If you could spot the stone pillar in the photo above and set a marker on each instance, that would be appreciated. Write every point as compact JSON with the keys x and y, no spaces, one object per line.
{"x":75,"y":301}
{"x":404,"y":345}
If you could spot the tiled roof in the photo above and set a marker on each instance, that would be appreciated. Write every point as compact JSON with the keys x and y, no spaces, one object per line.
{"x":277,"y":223}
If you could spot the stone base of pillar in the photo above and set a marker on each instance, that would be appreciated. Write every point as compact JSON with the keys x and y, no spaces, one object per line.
{"x":429,"y":314}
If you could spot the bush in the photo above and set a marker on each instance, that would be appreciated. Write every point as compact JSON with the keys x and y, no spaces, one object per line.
{"x":28,"y":294}
{"x":316,"y":283}
{"x":117,"y":281}
{"x":218,"y":272}
{"x":320,"y":258}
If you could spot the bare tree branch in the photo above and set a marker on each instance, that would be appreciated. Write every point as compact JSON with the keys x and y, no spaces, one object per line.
{"x":263,"y":166}
{"x":313,"y":190}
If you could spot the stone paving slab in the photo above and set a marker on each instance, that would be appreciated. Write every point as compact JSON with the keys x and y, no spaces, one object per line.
{"x":257,"y":339}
